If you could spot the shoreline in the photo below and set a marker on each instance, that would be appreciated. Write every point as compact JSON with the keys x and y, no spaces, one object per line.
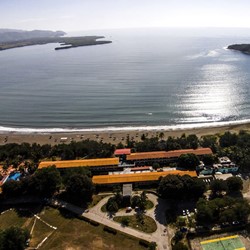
{"x":113,"y":136}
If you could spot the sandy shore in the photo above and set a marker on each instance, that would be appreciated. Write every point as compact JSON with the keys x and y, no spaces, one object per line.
{"x":113,"y":137}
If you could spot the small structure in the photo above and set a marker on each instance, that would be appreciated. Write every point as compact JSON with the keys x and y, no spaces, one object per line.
{"x":122,"y":151}
{"x":225,"y":166}
{"x":63,"y":139}
{"x":127,"y":190}
{"x":222,"y":176}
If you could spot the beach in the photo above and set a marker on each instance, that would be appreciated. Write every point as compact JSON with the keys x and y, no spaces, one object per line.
{"x":113,"y":137}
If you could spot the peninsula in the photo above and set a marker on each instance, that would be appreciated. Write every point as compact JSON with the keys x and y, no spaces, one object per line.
{"x":15,"y":38}
{"x":244,"y":48}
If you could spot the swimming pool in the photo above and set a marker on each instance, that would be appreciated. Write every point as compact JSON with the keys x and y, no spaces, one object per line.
{"x":14,"y":176}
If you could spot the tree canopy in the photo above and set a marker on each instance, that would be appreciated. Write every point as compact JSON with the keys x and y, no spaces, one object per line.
{"x":13,"y":238}
{"x":179,"y":187}
{"x":79,"y":188}
{"x":221,"y":210}
{"x":188,"y":161}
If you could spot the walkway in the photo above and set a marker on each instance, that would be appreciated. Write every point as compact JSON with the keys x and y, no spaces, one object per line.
{"x":157,"y":213}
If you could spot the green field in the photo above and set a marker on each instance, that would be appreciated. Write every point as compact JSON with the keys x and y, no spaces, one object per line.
{"x":70,"y":232}
{"x":149,"y":225}
{"x":225,"y":243}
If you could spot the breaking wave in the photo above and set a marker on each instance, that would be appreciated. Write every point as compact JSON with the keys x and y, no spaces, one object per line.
{"x":4,"y":129}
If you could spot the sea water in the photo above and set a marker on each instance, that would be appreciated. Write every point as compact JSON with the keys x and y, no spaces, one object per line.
{"x":146,"y":78}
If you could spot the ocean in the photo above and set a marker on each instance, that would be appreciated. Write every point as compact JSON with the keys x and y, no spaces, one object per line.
{"x":146,"y":79}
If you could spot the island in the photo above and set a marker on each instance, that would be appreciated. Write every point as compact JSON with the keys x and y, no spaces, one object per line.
{"x":244,"y":48}
{"x":10,"y":39}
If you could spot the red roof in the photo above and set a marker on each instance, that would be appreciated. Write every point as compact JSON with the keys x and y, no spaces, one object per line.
{"x":123,"y":151}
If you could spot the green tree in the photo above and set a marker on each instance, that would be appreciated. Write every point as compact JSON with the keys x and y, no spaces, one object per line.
{"x":228,"y":215}
{"x":204,"y":212}
{"x":112,"y":205}
{"x":188,"y":161}
{"x":218,"y":186}
{"x":140,"y":218}
{"x":46,"y":181}
{"x":80,"y":188}
{"x":161,"y":135}
{"x":192,"y":141}
{"x":234,"y":184}
{"x":152,"y":245}
{"x":209,"y":141}
{"x":156,"y":165}
{"x":171,"y":186}
{"x":228,"y":139}
{"x":125,"y":221}
{"x":14,"y":238}
{"x":198,"y":188}
{"x":135,"y":201}
{"x":179,"y":246}
{"x":12,"y":188}
{"x":208,"y":160}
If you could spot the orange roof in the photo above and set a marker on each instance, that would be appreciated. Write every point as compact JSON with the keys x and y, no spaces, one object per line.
{"x":168,"y":154}
{"x":137,"y":177}
{"x":81,"y":163}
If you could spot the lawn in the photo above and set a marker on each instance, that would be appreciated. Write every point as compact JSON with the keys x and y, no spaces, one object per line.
{"x":149,"y":205}
{"x":96,"y":199}
{"x":71,"y":233}
{"x":149,"y":225}
{"x":10,"y":218}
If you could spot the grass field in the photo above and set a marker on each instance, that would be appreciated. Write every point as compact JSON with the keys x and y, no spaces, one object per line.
{"x":68,"y":232}
{"x":225,"y":243}
{"x":149,"y":225}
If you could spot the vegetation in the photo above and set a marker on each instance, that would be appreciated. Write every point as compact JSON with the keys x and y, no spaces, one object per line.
{"x":245,"y":48}
{"x":222,"y":210}
{"x":13,"y":238}
{"x":180,"y":246}
{"x":68,"y":233}
{"x":146,"y":225}
{"x":231,"y":185}
{"x":66,"y":42}
{"x":13,"y":153}
{"x":44,"y":183}
{"x":79,"y":189}
{"x":180,"y":187}
{"x":188,"y":161}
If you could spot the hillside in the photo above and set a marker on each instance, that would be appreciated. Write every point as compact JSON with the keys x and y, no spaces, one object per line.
{"x":11,"y":35}
{"x":10,"y":39}
{"x":245,"y":48}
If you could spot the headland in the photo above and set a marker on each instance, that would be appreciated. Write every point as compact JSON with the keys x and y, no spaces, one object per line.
{"x":244,"y":48}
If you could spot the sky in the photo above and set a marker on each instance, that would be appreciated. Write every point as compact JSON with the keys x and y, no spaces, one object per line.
{"x":78,"y":15}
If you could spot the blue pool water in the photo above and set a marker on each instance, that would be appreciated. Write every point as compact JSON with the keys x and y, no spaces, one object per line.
{"x":14,"y":176}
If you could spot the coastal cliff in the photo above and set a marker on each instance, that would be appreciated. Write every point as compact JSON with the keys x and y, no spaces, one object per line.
{"x":244,"y":48}
{"x":10,"y":39}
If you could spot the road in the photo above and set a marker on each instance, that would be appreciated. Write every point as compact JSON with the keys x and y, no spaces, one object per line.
{"x":157,"y":213}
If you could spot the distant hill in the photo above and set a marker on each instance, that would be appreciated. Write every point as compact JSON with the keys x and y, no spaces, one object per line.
{"x":13,"y":35}
{"x":245,"y":48}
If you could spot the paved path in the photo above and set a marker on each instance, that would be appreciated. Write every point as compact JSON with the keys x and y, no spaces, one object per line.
{"x":157,"y":213}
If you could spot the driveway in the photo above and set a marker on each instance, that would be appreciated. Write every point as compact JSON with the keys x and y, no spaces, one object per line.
{"x":157,"y":213}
